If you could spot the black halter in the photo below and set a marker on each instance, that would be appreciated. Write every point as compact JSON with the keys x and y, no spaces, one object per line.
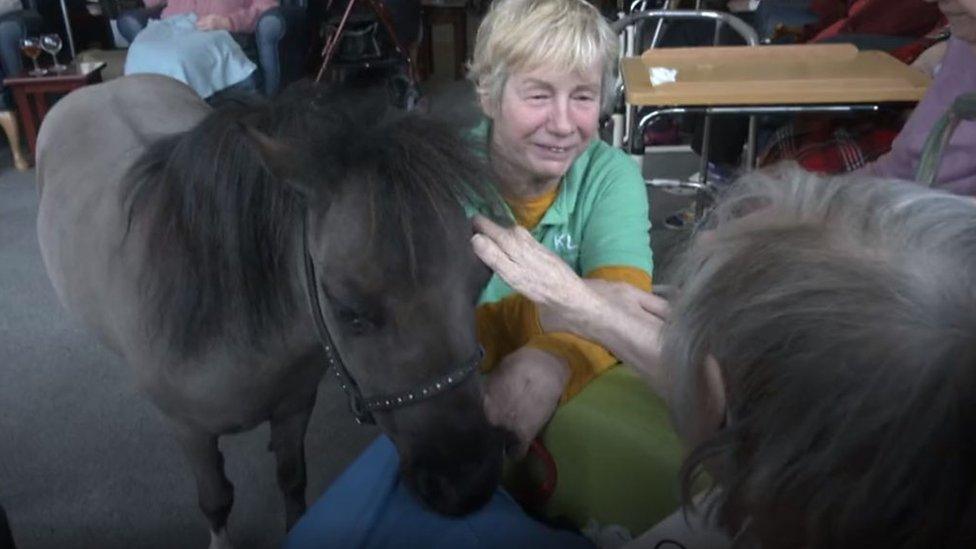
{"x":359,"y":405}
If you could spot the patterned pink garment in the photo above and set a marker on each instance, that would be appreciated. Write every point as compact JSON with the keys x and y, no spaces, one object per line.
{"x":243,"y":14}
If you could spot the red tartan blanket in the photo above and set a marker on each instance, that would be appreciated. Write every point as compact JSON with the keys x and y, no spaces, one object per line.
{"x":887,"y":17}
{"x":838,"y":145}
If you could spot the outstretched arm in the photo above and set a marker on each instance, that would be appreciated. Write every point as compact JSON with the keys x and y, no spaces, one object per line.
{"x":628,"y":322}
{"x":623,"y":319}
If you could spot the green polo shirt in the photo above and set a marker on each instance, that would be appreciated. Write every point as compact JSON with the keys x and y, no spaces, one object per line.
{"x":599,"y":218}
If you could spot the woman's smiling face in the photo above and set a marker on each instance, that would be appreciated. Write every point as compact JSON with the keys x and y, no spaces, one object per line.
{"x":544,"y":120}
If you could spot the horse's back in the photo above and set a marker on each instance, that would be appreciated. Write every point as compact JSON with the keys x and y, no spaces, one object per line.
{"x":100,"y":130}
{"x":87,"y":144}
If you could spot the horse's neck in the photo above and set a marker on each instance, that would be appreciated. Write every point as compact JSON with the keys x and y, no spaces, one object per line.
{"x":294,"y":334}
{"x":299,"y":328}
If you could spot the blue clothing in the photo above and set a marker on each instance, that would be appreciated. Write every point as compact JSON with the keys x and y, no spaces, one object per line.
{"x":207,"y":61}
{"x":368,"y":506}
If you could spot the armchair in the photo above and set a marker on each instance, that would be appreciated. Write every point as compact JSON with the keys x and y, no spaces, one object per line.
{"x":278,"y":46}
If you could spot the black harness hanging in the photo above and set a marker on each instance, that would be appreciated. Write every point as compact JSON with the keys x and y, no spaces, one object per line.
{"x":361,"y":406}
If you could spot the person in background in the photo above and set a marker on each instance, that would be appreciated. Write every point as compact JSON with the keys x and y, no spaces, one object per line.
{"x":891,"y":18}
{"x":228,"y":15}
{"x":192,"y":43}
{"x":956,"y":75}
{"x":893,"y":148}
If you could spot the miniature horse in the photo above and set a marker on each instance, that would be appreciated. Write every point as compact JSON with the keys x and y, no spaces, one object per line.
{"x":207,"y":246}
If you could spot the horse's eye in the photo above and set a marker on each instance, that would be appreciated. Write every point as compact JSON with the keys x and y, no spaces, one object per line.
{"x":359,"y":325}
{"x":356,"y":323}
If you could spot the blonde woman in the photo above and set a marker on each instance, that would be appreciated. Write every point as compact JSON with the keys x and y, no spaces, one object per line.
{"x":543,"y":71}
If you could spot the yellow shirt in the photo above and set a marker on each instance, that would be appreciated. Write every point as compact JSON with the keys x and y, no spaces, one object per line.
{"x":513,"y":322}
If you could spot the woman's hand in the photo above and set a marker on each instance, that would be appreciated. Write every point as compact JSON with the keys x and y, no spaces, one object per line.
{"x":528,"y":267}
{"x":630,"y":301}
{"x":563,"y":298}
{"x":629,"y":323}
{"x":213,"y":22}
{"x":522,"y":393}
{"x":931,"y":58}
{"x":625,"y":320}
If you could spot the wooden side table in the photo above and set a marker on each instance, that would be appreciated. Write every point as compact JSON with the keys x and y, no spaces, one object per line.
{"x":30,"y":93}
{"x":447,"y":12}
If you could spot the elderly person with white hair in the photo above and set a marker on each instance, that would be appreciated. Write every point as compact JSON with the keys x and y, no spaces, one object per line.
{"x":819,"y":362}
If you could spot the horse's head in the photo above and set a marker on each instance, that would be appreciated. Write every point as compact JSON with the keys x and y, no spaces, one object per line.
{"x":401,"y":300}
{"x":398,"y":282}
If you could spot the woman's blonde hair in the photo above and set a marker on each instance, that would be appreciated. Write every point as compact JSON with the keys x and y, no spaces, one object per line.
{"x":521,"y":35}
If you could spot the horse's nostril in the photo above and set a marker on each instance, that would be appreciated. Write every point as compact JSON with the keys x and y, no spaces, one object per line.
{"x":456,"y":490}
{"x":434,"y":490}
{"x":454,"y":473}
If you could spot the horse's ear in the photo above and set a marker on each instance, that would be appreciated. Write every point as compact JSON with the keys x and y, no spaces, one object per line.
{"x":279,"y":159}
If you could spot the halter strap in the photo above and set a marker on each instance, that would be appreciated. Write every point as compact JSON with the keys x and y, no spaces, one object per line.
{"x":362,"y":407}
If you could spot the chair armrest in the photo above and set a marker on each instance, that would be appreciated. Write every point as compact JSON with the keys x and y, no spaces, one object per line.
{"x":278,"y":22}
{"x":154,"y":12}
{"x":132,"y":21}
{"x":280,"y":35}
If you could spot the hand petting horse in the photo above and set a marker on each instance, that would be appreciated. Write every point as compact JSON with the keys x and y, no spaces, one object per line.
{"x":232,"y":255}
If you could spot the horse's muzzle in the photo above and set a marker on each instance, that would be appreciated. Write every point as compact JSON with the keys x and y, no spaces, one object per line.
{"x":457,"y":477}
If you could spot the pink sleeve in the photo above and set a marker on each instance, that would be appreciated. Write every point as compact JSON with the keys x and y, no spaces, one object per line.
{"x":245,"y":19}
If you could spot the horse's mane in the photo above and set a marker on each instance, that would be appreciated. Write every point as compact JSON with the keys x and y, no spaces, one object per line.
{"x":221,"y":221}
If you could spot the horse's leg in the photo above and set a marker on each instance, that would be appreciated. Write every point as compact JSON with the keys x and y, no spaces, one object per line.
{"x":215,"y":493}
{"x":288,"y":444}
{"x":6,"y":537}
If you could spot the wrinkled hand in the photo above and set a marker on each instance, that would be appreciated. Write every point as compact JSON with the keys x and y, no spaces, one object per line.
{"x":630,"y":300}
{"x":533,"y":271}
{"x":648,"y":313}
{"x":628,"y":322}
{"x":613,"y":298}
{"x":522,"y":393}
{"x":213,"y":22}
{"x":527,"y":266}
{"x":931,"y":58}
{"x":625,"y":320}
